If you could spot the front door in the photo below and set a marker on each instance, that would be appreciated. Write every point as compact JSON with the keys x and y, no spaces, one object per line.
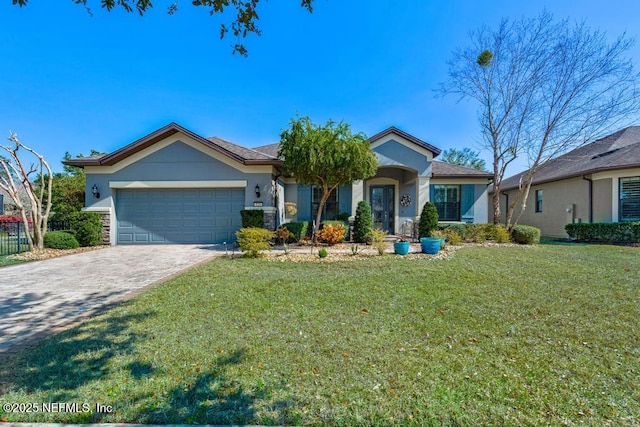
{"x":382,"y":202}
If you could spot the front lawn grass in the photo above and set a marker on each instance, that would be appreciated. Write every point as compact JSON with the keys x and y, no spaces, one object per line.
{"x":544,"y":335}
{"x":7,"y":260}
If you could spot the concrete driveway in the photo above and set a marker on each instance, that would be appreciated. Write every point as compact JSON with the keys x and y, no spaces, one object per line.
{"x":40,"y":298}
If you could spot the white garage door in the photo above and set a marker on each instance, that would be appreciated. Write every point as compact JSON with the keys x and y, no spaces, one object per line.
{"x":178,"y":216}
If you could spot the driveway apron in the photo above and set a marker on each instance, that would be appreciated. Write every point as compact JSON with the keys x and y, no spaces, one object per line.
{"x":40,"y":298}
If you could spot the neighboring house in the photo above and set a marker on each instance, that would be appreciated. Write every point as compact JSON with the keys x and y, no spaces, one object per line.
{"x":597,"y":182}
{"x":174,"y":186}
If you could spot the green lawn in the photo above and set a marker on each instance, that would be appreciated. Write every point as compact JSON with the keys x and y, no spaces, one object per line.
{"x":544,"y":335}
{"x":6,"y":260}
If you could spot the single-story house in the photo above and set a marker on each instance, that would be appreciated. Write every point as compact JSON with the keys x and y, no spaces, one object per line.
{"x":597,"y":182}
{"x":174,"y":186}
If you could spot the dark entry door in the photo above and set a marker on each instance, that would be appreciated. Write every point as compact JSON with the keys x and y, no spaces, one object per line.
{"x":382,"y":202}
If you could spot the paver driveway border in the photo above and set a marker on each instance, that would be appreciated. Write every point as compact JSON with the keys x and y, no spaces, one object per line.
{"x":41,"y":298}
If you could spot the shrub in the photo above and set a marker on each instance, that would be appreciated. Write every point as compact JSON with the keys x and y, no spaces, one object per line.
{"x":458,"y":228}
{"x":525,"y":234}
{"x":86,"y":227}
{"x":605,"y":232}
{"x":453,"y":238}
{"x":475,"y":233}
{"x":254,"y":240}
{"x":378,"y":240}
{"x":344,"y":217}
{"x":60,"y":240}
{"x":283,"y":234}
{"x":428,"y":220}
{"x":322,"y":253}
{"x":298,"y":229}
{"x":363,"y":223}
{"x":331,"y":234}
{"x":502,"y":235}
{"x":252,"y":218}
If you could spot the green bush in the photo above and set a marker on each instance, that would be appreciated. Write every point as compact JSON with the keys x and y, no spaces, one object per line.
{"x":254,"y":240}
{"x":502,"y":235}
{"x":605,"y":232}
{"x":86,"y":227}
{"x":343,"y":216}
{"x":322,"y":253}
{"x":458,"y":228}
{"x":252,"y":218}
{"x":60,"y":240}
{"x":525,"y":234}
{"x":453,"y":238}
{"x":363,"y":223}
{"x":428,"y":220}
{"x":475,"y":233}
{"x":298,"y":229}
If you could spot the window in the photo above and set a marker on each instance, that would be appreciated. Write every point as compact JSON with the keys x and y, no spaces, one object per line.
{"x":538,"y":200}
{"x":447,"y":201}
{"x":630,"y":199}
{"x":330,"y":211}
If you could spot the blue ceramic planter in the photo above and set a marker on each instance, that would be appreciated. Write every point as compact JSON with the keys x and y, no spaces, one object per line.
{"x":430,"y":245}
{"x":401,"y":248}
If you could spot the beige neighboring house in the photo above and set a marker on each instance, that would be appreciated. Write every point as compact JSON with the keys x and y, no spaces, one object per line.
{"x":597,"y":182}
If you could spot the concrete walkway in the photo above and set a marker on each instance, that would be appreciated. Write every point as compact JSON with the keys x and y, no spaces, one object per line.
{"x":40,"y":298}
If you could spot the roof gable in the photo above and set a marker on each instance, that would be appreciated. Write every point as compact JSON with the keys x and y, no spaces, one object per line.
{"x":234,"y":152}
{"x":392,"y":130}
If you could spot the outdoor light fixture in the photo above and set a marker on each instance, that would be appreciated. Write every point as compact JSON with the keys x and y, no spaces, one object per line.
{"x":95,"y":191}
{"x":257,"y":191}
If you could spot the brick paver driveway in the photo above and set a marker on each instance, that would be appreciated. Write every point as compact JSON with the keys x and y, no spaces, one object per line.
{"x":42,"y":297}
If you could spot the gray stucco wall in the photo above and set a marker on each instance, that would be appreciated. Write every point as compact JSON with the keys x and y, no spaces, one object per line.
{"x":178,"y":162}
{"x":402,"y":156}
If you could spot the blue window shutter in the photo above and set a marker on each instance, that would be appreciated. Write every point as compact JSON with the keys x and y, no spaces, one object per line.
{"x":467,"y":200}
{"x":344,"y":199}
{"x":304,"y":203}
{"x":431,"y":195}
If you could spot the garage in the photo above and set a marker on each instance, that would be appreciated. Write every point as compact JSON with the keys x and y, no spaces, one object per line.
{"x":195,"y":215}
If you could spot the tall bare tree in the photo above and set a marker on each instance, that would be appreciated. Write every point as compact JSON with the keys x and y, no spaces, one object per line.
{"x":35,"y":181}
{"x":543,"y":87}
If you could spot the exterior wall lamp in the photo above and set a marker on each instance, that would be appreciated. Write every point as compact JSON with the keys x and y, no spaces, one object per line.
{"x":257,"y":191}
{"x":95,"y":191}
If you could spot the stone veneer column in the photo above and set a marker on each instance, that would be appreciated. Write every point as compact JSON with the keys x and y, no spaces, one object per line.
{"x":105,"y":218}
{"x":270,"y":219}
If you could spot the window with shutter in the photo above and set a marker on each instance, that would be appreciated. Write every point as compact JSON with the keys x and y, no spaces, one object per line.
{"x":630,"y":199}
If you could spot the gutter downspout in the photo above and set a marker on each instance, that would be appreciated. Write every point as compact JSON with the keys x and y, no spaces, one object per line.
{"x":590,"y":197}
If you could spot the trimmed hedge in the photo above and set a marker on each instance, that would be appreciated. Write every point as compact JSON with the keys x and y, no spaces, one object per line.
{"x":254,"y":240}
{"x":461,"y":229}
{"x":86,"y":227}
{"x":60,"y":240}
{"x":605,"y":232}
{"x":252,"y":218}
{"x":428,"y":220}
{"x":525,"y":234}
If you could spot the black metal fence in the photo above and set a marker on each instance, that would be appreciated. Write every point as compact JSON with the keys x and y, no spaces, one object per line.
{"x":13,"y":238}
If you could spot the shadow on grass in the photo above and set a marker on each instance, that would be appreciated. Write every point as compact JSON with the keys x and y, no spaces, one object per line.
{"x":215,"y":398}
{"x":72,"y":358}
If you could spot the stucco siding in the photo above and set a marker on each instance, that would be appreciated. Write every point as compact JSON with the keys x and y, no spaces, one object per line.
{"x":602,"y":198}
{"x":558,"y":198}
{"x":396,"y":154}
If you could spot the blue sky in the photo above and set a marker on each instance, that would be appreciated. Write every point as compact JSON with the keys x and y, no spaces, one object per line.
{"x":71,"y":82}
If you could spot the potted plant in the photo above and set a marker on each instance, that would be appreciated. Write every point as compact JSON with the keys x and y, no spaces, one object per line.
{"x":428,"y":223}
{"x":439,"y":234}
{"x":401,"y":246}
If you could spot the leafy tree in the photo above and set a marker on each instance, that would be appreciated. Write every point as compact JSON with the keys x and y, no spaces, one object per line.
{"x":246,"y":13}
{"x":543,"y":87}
{"x":465,"y":157}
{"x":325,"y":156}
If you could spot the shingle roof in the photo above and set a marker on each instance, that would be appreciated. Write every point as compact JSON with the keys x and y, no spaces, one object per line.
{"x":236,"y":152}
{"x":448,"y":170}
{"x":619,"y":150}
{"x":269,"y":150}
